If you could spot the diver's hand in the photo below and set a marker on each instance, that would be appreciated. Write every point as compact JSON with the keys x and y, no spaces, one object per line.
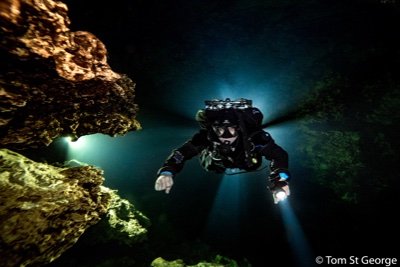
{"x":280,"y":192}
{"x":279,"y":187}
{"x":164,"y":182}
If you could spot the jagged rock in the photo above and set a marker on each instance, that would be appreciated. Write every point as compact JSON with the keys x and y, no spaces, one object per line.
{"x":45,"y":209}
{"x":122,"y":224}
{"x":219,"y":261}
{"x":56,"y":82}
{"x":161,"y":262}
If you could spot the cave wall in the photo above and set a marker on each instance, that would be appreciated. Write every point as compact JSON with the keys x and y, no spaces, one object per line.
{"x":56,"y":82}
{"x":45,"y":209}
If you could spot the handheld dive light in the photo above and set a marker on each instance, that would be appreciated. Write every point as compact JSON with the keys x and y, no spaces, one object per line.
{"x":280,"y":195}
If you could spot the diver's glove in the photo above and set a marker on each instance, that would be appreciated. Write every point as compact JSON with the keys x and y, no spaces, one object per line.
{"x":164,"y":182}
{"x":279,"y":186}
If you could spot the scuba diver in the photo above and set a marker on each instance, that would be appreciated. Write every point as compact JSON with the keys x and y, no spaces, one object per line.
{"x":231,"y":138}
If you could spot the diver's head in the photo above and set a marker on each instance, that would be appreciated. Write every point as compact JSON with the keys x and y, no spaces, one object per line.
{"x":226,"y":130}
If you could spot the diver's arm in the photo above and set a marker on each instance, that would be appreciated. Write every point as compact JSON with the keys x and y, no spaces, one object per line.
{"x":279,"y":175}
{"x":278,"y":157}
{"x":175,"y":162}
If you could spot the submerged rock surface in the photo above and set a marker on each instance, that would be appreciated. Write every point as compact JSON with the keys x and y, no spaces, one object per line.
{"x":45,"y":209}
{"x":219,"y":261}
{"x":54,"y":81}
{"x":123,"y":224}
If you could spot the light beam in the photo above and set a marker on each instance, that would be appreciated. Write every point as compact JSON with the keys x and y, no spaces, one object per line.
{"x":295,"y":235}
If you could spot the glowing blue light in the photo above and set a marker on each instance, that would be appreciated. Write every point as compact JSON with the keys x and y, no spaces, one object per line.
{"x":68,"y":139}
{"x":223,"y":220}
{"x":77,"y":144}
{"x":283,"y":175}
{"x":296,"y":237}
{"x":87,"y":148}
{"x":260,"y":94}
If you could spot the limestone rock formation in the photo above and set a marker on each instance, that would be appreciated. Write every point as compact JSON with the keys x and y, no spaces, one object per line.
{"x":122,"y":224}
{"x":45,"y":209}
{"x":56,"y":82}
{"x":219,"y":261}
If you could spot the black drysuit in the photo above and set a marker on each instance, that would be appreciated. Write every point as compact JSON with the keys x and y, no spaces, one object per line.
{"x":216,"y":156}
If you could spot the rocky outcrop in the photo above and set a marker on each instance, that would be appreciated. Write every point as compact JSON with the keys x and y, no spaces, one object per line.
{"x":123,"y":224}
{"x":219,"y":261}
{"x":56,"y":82}
{"x":45,"y":209}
